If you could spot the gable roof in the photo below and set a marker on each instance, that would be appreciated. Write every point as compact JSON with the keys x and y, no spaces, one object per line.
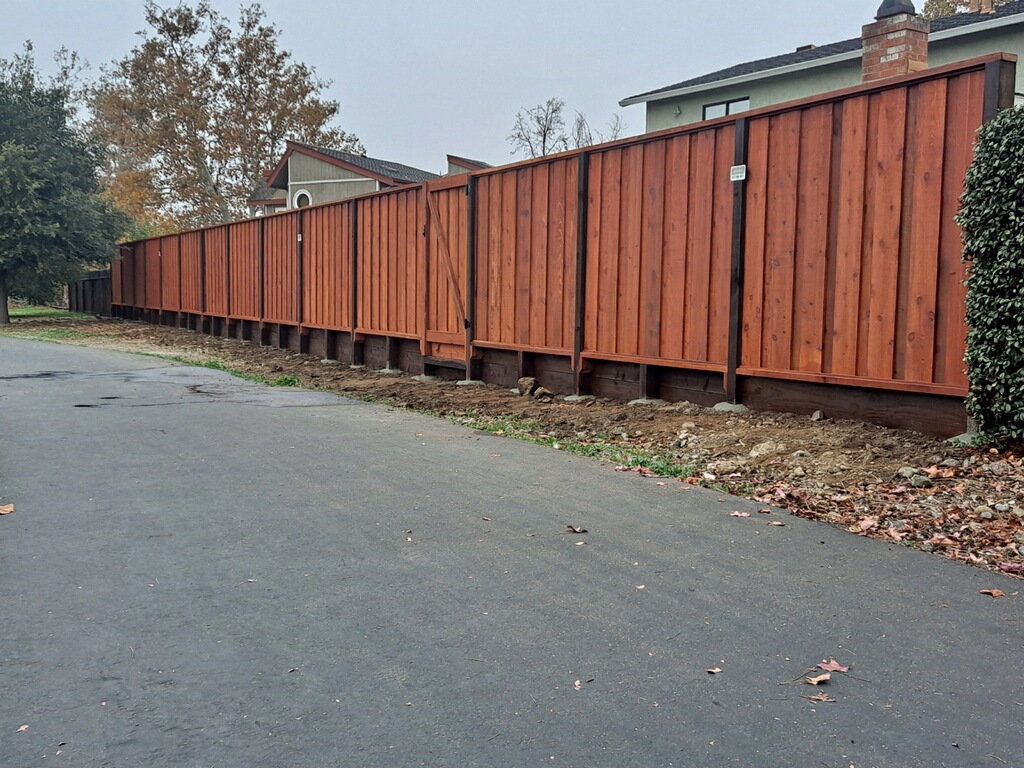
{"x":384,"y":171}
{"x":262,"y":195}
{"x":465,"y":162}
{"x":945,"y":27}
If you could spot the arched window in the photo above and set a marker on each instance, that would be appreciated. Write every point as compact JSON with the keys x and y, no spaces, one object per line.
{"x":302,"y":199}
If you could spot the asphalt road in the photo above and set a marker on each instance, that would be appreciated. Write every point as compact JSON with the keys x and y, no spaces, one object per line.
{"x":205,"y":572}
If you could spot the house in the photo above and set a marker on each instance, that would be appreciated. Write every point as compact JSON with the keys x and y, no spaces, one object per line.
{"x":810,"y":69}
{"x":457,"y":165}
{"x":308,"y":175}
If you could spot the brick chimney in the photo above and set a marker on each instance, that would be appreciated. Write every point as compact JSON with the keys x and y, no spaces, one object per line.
{"x":896,"y":43}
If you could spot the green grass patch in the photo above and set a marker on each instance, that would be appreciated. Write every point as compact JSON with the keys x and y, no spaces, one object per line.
{"x":46,"y":334}
{"x":33,"y":312}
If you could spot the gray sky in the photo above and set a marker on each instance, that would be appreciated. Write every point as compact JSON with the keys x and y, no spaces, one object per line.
{"x":417,"y":80}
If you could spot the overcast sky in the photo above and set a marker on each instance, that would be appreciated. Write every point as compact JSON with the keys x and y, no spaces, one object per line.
{"x":418,"y":80}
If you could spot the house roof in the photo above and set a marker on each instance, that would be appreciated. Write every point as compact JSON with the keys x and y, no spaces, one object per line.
{"x":385,"y":171}
{"x":959,"y":23}
{"x":465,"y":162}
{"x":263,"y":195}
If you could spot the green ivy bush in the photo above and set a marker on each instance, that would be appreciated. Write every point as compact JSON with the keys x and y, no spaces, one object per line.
{"x":992,"y":218}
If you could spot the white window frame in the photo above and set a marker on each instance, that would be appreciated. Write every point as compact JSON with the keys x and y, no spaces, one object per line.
{"x":297,"y":193}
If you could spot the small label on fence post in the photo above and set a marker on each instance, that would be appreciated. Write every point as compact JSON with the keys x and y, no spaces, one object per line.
{"x":738,"y":173}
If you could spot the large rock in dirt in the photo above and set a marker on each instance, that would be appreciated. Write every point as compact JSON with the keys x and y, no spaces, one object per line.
{"x":526,"y":385}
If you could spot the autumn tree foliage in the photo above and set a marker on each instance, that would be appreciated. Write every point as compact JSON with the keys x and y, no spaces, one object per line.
{"x":200,"y":109}
{"x":937,"y":9}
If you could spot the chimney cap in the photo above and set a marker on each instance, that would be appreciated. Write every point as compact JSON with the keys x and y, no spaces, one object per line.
{"x":894,"y":8}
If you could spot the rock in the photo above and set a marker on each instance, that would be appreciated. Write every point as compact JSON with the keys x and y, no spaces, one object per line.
{"x":984,"y":512}
{"x":950,"y":463}
{"x":1004,"y":508}
{"x":798,"y":472}
{"x":470,"y":383}
{"x":423,"y":378}
{"x":390,"y":371}
{"x":647,"y":401}
{"x":1018,"y":512}
{"x":906,"y":473}
{"x":527,"y":384}
{"x":540,"y":392}
{"x":920,"y":481}
{"x":818,"y":416}
{"x":687,"y":425}
{"x":801,"y":454}
{"x":766,"y":448}
{"x":730,"y":408}
{"x":998,"y":468}
{"x":579,"y":398}
{"x":966,"y":439}
{"x":515,"y":391}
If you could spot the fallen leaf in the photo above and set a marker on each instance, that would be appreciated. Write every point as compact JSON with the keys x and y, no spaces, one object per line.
{"x":776,"y":522}
{"x":495,"y":456}
{"x":580,"y":543}
{"x":6,"y":509}
{"x":993,"y":592}
{"x":764,"y":511}
{"x":714,"y":670}
{"x":867,"y":523}
{"x":821,"y":697}
{"x":833,"y":666}
{"x":24,"y":727}
{"x":640,"y":586}
{"x":577,"y":685}
{"x":486,"y":519}
{"x":660,"y":483}
{"x":739,"y":514}
{"x":819,"y":679}
{"x":1011,"y":567}
{"x":576,"y":529}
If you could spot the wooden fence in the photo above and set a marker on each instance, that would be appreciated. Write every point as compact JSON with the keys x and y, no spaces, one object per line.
{"x":797,"y":257}
{"x":91,"y":294}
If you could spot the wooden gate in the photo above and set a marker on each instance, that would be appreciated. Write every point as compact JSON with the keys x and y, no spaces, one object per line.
{"x":444,"y":332}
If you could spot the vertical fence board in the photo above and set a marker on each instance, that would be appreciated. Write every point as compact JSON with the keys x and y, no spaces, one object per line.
{"x":964,"y":107}
{"x":675,"y":237}
{"x":170,"y":257}
{"x":812,"y":239}
{"x":217,"y":271}
{"x":652,"y":241}
{"x":920,"y":244}
{"x":281,"y":268}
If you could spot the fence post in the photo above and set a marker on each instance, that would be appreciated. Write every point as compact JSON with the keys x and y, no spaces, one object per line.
{"x":357,"y":352}
{"x":739,"y":222}
{"x":582,"y":198}
{"x":300,"y":272}
{"x":202,"y":279}
{"x":227,"y":276}
{"x":470,"y":273}
{"x":1000,"y":77}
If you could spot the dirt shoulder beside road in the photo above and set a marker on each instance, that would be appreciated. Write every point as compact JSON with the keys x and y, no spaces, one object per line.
{"x":964,"y":503}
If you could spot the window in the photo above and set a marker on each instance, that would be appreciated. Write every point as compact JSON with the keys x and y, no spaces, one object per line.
{"x":302,"y":199}
{"x":723,"y":108}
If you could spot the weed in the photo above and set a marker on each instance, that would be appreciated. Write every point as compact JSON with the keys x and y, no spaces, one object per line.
{"x":285,"y":380}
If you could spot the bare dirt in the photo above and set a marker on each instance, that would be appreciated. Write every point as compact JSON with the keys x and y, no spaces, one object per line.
{"x":961,"y":502}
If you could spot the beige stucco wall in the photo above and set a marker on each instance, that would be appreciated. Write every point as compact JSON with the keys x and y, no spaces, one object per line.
{"x":800,"y":84}
{"x":305,"y":168}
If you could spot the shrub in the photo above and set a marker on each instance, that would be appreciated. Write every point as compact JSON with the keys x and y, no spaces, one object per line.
{"x":992,"y":218}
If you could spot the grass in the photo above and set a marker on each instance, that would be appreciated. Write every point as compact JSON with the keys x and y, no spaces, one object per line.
{"x":33,"y":312}
{"x":284,"y":380}
{"x":597,"y":446}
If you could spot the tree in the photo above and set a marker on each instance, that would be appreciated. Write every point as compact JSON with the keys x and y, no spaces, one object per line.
{"x":937,"y":9}
{"x":198,"y":111}
{"x":541,"y":130}
{"x":54,"y":219}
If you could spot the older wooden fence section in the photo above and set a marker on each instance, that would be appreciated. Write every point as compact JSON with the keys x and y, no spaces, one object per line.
{"x":797,"y":257}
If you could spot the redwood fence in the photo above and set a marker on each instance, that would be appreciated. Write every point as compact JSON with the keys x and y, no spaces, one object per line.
{"x":797,"y":257}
